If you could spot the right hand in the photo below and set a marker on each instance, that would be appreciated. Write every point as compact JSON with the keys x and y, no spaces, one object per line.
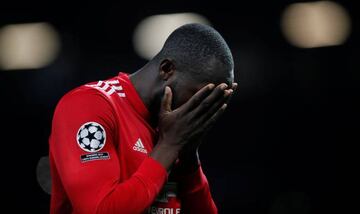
{"x":188,"y":122}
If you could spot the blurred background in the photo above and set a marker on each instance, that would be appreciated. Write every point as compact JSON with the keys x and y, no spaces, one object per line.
{"x":277,"y":148}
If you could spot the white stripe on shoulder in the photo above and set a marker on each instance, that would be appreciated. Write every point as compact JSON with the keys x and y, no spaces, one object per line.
{"x":109,"y":87}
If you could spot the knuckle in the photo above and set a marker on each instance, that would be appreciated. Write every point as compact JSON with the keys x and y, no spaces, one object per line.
{"x":177,"y":116}
{"x":196,"y":100}
{"x":206,"y":104}
{"x":189,"y":119}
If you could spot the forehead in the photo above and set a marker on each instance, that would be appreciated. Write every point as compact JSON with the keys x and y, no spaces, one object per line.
{"x":220,"y":72}
{"x":217,"y":77}
{"x":213,"y":72}
{"x":194,"y":85}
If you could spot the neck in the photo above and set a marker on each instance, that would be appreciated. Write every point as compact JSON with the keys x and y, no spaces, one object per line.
{"x":144,"y":81}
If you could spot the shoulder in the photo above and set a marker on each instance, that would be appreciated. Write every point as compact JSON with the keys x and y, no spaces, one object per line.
{"x":84,"y":102}
{"x":85,"y":94}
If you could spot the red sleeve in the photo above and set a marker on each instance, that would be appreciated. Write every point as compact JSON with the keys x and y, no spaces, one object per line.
{"x":94,"y":186}
{"x":195,"y":194}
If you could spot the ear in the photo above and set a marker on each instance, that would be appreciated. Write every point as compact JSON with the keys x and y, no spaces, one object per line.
{"x":167,"y":69}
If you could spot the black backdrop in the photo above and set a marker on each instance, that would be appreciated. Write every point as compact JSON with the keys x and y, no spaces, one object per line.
{"x":277,"y":148}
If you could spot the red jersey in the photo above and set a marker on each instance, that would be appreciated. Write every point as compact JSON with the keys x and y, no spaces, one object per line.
{"x":99,"y":156}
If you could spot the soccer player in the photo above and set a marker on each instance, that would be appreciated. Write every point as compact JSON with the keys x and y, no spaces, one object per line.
{"x":129,"y":144}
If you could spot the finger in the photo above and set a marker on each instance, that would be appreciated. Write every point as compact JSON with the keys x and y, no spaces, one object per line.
{"x":197,"y":98}
{"x":234,"y":86}
{"x":230,"y":94}
{"x":211,"y":121}
{"x":215,"y":107}
{"x":166,"y":100}
{"x":206,"y":104}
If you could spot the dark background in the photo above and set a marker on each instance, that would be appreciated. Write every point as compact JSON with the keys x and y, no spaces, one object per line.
{"x":277,"y":148}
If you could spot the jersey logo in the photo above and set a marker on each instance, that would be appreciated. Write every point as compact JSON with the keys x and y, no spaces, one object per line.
{"x":91,"y":137}
{"x":167,"y":200}
{"x":109,"y":87}
{"x":139,"y":146}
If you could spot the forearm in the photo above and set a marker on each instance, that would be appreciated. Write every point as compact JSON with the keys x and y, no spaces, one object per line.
{"x":195,"y":194}
{"x":194,"y":188}
{"x":137,"y":193}
{"x":188,"y":163}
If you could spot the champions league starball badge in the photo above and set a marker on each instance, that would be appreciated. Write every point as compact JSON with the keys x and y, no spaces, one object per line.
{"x":91,"y":137}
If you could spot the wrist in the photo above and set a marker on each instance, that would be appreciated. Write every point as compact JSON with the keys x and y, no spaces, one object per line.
{"x":165,"y":154}
{"x":188,"y":162}
{"x":164,"y":145}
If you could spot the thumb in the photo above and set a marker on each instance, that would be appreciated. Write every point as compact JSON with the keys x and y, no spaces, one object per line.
{"x":166,"y":100}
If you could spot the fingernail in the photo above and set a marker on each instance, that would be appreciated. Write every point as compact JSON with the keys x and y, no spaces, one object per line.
{"x":211,"y":86}
{"x":223,"y":86}
{"x":228,"y":92}
{"x":167,"y":89}
{"x":224,"y":106}
{"x":235,"y":85}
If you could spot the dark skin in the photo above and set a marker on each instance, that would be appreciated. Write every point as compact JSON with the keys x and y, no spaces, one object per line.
{"x":182,"y":108}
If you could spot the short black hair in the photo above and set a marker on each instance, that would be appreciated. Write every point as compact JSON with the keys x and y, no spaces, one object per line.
{"x":195,"y":49}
